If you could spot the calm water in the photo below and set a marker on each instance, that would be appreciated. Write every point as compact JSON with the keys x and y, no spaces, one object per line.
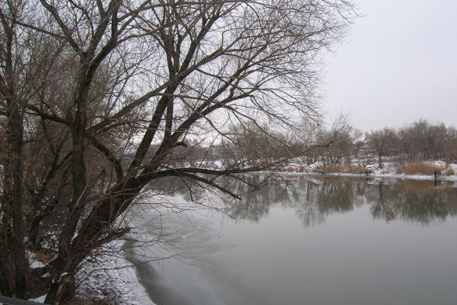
{"x":308,"y":241}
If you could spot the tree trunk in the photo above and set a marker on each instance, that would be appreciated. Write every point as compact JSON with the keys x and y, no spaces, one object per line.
{"x":13,"y":254}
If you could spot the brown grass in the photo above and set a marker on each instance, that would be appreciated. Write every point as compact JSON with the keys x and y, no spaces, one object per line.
{"x":357,"y":169}
{"x":331,"y":168}
{"x":295,"y":169}
{"x":417,"y":167}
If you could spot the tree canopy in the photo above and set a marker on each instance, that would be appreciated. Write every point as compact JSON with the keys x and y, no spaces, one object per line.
{"x":97,"y":96}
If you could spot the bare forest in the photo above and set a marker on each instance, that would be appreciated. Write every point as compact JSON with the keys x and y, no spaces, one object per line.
{"x":100,"y":98}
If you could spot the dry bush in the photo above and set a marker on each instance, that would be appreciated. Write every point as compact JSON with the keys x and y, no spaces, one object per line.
{"x":331,"y":168}
{"x":449,"y":171}
{"x":418,"y":167}
{"x":357,"y":169}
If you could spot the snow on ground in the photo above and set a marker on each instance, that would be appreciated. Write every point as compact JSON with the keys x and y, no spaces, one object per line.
{"x":388,"y":170}
{"x":396,"y":176}
{"x":111,"y":278}
{"x":39,"y":299}
{"x":108,"y":278}
{"x":33,"y":261}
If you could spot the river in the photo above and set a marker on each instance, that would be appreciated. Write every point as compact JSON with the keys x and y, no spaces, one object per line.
{"x":297,"y":240}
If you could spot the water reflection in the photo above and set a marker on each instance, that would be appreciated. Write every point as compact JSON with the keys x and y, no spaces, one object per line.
{"x":348,"y":260}
{"x":313,"y":199}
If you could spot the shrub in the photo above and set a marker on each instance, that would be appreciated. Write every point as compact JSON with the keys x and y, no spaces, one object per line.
{"x":331,"y":168}
{"x":357,"y":169}
{"x":449,"y":171}
{"x":418,"y":167}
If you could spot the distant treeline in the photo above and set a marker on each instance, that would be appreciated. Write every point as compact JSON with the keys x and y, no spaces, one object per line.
{"x":340,"y":144}
{"x":420,"y":140}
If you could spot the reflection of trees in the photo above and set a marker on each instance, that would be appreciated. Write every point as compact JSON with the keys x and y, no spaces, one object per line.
{"x":256,"y":202}
{"x":313,"y":199}
{"x":189,"y":190}
{"x":381,"y":206}
{"x":336,"y":196}
{"x":417,"y":201}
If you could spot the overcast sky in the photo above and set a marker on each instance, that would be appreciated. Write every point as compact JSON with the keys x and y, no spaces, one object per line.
{"x":398,"y":64}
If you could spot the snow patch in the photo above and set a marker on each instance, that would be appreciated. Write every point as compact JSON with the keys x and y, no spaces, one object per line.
{"x":109,"y":277}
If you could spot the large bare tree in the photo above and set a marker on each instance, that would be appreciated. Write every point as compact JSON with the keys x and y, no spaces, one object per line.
{"x":97,"y":95}
{"x":382,"y":142}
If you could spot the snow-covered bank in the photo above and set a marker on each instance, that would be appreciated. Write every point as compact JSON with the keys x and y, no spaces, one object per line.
{"x":452,"y":178}
{"x":389,"y":170}
{"x":110,"y":278}
{"x":393,"y":176}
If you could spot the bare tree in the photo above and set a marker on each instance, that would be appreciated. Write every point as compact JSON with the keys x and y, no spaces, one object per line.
{"x":255,"y":145}
{"x":423,"y":140}
{"x":382,"y":142}
{"x":331,"y":145}
{"x":114,"y":88}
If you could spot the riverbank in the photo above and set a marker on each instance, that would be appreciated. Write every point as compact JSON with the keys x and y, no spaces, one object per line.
{"x":452,"y":178}
{"x":444,"y":172}
{"x":110,"y":279}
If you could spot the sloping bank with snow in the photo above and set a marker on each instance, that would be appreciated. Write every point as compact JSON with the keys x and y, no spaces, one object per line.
{"x":109,"y":278}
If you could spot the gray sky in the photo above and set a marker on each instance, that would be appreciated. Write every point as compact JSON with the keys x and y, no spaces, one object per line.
{"x":398,"y":64}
